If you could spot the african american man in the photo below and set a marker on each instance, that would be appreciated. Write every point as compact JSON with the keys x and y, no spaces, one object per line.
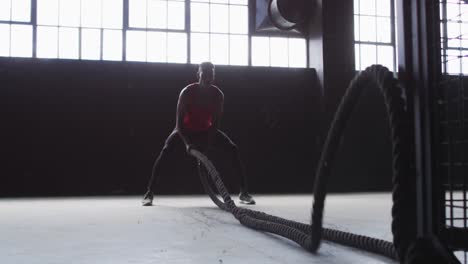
{"x":199,"y":112}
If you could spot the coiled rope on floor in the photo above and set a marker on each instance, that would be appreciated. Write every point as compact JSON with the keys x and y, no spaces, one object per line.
{"x":403,"y":194}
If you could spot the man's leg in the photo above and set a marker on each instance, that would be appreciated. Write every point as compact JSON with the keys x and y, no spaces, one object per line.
{"x":223,"y":141}
{"x":169,"y":145}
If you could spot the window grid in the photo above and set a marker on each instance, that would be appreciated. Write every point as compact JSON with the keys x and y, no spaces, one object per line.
{"x":34,"y":22}
{"x":74,"y":29}
{"x":210,"y":32}
{"x":454,"y":37}
{"x":11,"y":18}
{"x":167,"y":27}
{"x":292,"y":58}
{"x":147,"y":29}
{"x":370,"y":37}
{"x":14,"y":25}
{"x":80,"y":33}
{"x":188,"y":26}
{"x":100,"y":32}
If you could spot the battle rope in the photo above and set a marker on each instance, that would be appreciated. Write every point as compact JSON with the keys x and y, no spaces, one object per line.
{"x":309,"y":236}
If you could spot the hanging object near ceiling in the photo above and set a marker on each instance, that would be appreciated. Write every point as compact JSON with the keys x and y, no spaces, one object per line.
{"x":280,"y":15}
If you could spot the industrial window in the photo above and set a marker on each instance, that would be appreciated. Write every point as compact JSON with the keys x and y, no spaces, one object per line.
{"x":174,"y":31}
{"x":279,"y":51}
{"x":454,"y":36}
{"x":156,"y":31}
{"x":219,"y":31}
{"x":374,"y":27}
{"x":86,"y":29}
{"x":16,"y":31}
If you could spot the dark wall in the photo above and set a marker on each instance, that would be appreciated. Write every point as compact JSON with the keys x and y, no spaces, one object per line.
{"x":83,"y":127}
{"x":79,"y":128}
{"x":363,"y":161}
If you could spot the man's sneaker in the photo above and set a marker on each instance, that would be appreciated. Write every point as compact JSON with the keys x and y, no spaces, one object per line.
{"x":245,"y":198}
{"x":147,"y":199}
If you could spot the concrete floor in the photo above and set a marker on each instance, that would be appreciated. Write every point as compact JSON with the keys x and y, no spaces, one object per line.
{"x":179,"y":229}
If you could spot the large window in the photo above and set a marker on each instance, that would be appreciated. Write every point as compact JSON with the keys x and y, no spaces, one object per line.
{"x":279,"y":51}
{"x":219,"y":31}
{"x":374,"y":27}
{"x":16,"y":31}
{"x":86,"y":29}
{"x":164,"y":31}
{"x":454,"y":34}
{"x":157,"y":31}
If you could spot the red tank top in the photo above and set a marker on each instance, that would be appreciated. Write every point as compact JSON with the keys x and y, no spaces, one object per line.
{"x":198,"y":118}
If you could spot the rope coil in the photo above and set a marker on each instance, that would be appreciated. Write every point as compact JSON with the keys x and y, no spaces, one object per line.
{"x":403,"y":193}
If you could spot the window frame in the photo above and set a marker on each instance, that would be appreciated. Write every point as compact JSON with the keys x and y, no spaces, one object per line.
{"x":126,"y":27}
{"x":393,"y":40}
{"x":247,"y":34}
{"x":80,"y":28}
{"x":32,"y":23}
{"x":444,"y":20}
{"x":251,"y":32}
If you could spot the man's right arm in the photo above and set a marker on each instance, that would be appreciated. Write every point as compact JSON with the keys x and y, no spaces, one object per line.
{"x":181,"y":108}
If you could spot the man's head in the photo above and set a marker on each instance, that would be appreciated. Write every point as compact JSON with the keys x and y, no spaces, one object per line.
{"x":206,"y":73}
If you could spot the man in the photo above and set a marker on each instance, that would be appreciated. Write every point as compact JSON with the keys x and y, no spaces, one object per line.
{"x":199,"y":112}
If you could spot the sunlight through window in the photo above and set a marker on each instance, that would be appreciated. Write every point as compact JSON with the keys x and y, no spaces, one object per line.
{"x":21,"y":41}
{"x":157,"y":47}
{"x":21,"y":10}
{"x":239,"y":51}
{"x":176,"y":47}
{"x":162,"y":31}
{"x":47,"y":42}
{"x":200,"y":47}
{"x":279,"y":52}
{"x":112,"y":45}
{"x":136,"y":45}
{"x":68,"y":13}
{"x":5,"y":37}
{"x":219,"y":32}
{"x":69,"y":43}
{"x":90,"y":44}
{"x":5,"y":10}
{"x":454,"y":35}
{"x":373,"y":33}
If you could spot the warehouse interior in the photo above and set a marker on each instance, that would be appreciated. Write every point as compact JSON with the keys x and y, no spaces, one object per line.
{"x":88,"y":96}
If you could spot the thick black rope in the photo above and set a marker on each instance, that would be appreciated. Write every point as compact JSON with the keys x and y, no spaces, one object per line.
{"x":309,"y":236}
{"x":208,"y":189}
{"x":403,"y":193}
{"x":295,"y":231}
